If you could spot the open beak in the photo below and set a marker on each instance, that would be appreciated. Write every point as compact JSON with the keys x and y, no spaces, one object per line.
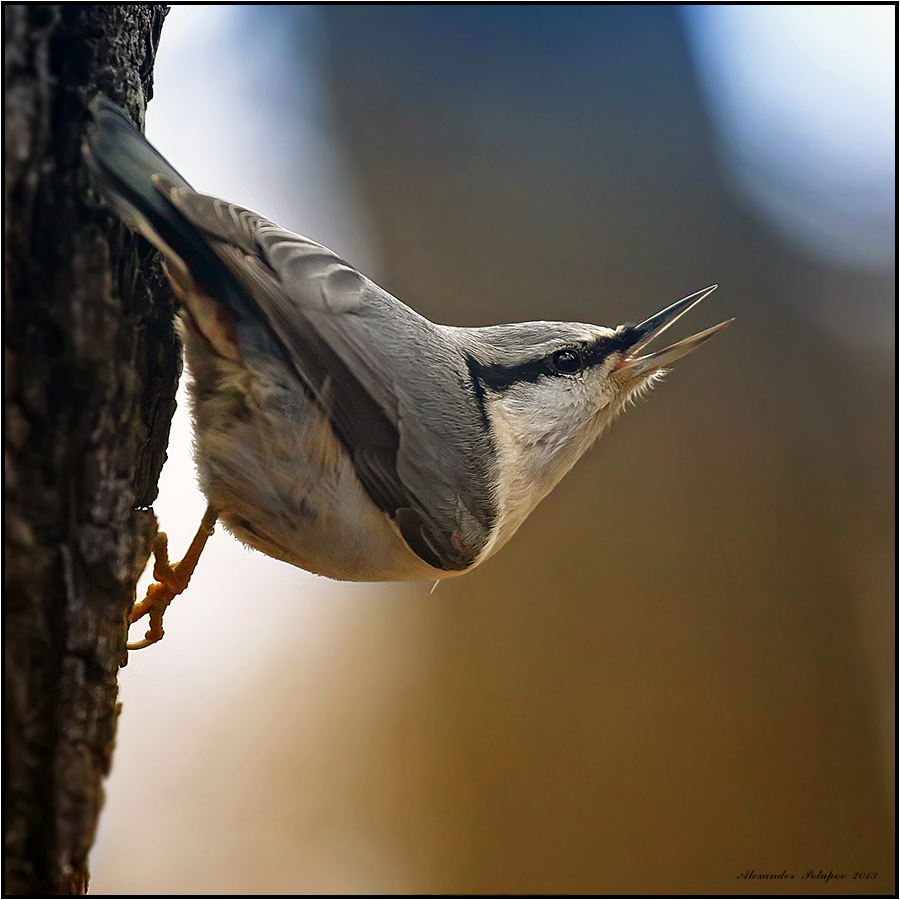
{"x":637,"y":366}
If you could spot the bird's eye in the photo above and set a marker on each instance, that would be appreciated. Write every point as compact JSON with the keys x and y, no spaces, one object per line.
{"x":567,"y":362}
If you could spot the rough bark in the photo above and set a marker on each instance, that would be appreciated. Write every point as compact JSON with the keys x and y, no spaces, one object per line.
{"x":91,"y":365}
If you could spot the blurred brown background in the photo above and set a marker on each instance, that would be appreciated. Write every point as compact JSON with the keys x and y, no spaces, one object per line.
{"x":682,"y":667}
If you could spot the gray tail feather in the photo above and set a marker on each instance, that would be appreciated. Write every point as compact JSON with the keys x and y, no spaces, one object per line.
{"x":123,"y":163}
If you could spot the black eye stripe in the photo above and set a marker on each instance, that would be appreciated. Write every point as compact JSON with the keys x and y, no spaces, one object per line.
{"x":497,"y":377}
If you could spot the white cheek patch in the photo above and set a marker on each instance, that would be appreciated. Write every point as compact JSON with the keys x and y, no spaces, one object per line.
{"x":540,"y":431}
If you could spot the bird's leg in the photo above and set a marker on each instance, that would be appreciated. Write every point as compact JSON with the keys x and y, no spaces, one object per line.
{"x":171,"y":580}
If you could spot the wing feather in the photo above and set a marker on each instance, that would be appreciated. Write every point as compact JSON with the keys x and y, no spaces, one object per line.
{"x":391,"y":384}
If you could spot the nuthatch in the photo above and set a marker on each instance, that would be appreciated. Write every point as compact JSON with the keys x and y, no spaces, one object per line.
{"x":335,"y":428}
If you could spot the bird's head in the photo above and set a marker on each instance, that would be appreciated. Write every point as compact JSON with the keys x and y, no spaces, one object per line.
{"x":549,"y":389}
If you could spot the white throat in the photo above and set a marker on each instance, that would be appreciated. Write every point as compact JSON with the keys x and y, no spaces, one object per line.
{"x":539,"y":435}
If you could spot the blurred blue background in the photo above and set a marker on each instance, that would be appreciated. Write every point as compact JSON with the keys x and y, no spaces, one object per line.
{"x":682,"y":667}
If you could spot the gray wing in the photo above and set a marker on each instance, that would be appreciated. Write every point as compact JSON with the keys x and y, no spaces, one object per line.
{"x":392,"y":385}
{"x":395,"y":391}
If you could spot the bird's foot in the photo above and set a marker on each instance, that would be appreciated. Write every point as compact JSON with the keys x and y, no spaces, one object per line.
{"x":171,"y":580}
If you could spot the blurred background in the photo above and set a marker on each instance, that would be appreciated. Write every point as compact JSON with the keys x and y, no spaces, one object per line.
{"x":682,"y":667}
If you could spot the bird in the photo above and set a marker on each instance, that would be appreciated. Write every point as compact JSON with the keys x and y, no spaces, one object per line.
{"x":337,"y":429}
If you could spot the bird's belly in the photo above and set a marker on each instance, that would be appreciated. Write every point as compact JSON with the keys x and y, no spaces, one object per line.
{"x":284,"y":485}
{"x":346,"y":537}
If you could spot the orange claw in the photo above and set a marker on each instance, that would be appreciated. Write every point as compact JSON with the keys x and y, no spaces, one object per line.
{"x":171,"y":580}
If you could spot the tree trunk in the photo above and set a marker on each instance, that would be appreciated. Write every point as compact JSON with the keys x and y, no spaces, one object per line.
{"x":91,"y":366}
